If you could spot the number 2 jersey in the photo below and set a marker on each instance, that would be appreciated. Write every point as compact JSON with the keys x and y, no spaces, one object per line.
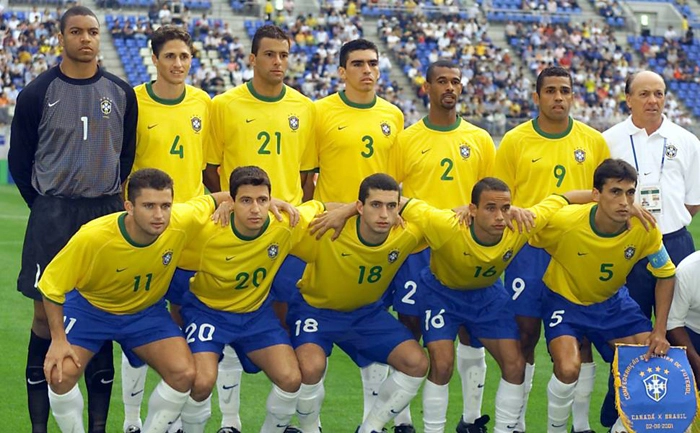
{"x":588,"y":266}
{"x":535,"y":164}
{"x":113,"y":272}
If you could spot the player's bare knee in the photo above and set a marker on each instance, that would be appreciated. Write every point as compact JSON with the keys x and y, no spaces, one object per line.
{"x":182,"y":378}
{"x":567,"y":371}
{"x":417,"y":365}
{"x":203,"y":385}
{"x":441,"y":370}
{"x":312,"y":368}
{"x":290,"y":380}
{"x":513,"y":370}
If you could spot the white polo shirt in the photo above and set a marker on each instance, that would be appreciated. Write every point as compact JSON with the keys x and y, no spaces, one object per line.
{"x":685,"y":308}
{"x":669,"y":158}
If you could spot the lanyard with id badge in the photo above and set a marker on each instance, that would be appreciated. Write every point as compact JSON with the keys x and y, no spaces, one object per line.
{"x":648,"y":193}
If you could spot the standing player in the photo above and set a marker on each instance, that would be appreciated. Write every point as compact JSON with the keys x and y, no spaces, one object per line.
{"x":270,"y":125}
{"x":439,"y":160}
{"x":551,"y":153}
{"x":593,"y":251}
{"x":72,"y":147}
{"x":355,"y":130}
{"x":175,"y":146}
{"x":229,"y":302}
{"x":665,"y":157}
{"x":340,"y":302}
{"x":120,"y":266}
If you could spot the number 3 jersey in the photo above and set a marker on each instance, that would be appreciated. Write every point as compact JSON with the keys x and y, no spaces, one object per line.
{"x":113,"y":272}
{"x":349,"y":273}
{"x":460,"y":261}
{"x":172,"y":136}
{"x":588,"y":266}
{"x":535,"y":164}
{"x":234,"y":271}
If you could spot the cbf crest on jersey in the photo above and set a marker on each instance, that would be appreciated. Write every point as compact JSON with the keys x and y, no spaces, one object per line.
{"x":465,"y":151}
{"x":386,"y":128}
{"x":654,"y":395}
{"x":508,"y":255}
{"x":629,"y":252}
{"x":393,"y":256}
{"x":671,"y":151}
{"x":293,"y":122}
{"x":196,"y":122}
{"x":580,"y":155}
{"x":273,"y":250}
{"x":106,"y":106}
{"x":167,"y":257}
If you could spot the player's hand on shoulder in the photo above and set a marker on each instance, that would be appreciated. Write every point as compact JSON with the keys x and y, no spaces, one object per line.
{"x":59,"y":350}
{"x":523,"y":218}
{"x":464,"y":216}
{"x":278,"y":206}
{"x":332,"y":220}
{"x":222,"y":214}
{"x":644,"y":216}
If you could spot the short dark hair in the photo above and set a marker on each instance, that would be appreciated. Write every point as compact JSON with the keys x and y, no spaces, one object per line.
{"x":271,"y":32}
{"x":439,"y":64}
{"x":552,"y":71}
{"x":248,"y":175}
{"x":613,"y":169}
{"x":151,"y":178}
{"x":169,"y":33}
{"x":379,"y":181}
{"x":487,"y":184}
{"x":356,"y":45}
{"x":75,"y":11}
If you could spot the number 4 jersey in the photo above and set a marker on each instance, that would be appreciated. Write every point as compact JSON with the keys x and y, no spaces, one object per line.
{"x":588,"y":266}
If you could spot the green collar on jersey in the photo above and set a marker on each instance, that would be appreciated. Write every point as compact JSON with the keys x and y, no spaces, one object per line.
{"x":591,"y":218}
{"x":536,"y":125}
{"x":476,"y":239}
{"x":359,"y":235}
{"x":122,"y":228}
{"x":349,"y":103}
{"x":152,"y":94}
{"x":243,"y":237}
{"x":257,"y":95}
{"x":449,"y":128}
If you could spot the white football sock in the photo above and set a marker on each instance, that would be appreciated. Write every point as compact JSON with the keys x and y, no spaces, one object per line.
{"x":372,"y":378}
{"x":67,"y":409}
{"x":309,"y":406}
{"x":471,"y":366}
{"x":509,"y":404}
{"x":133,"y":385}
{"x":281,"y":406}
{"x":164,"y":408}
{"x":395,"y":394}
{"x":582,"y":397}
{"x":435,"y":399}
{"x":195,"y":415}
{"x":228,"y":383}
{"x":560,"y":397}
{"x":529,"y":374}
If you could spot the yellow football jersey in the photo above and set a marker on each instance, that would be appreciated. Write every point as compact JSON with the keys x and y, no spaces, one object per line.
{"x":457,"y":258}
{"x":440,"y":165}
{"x":275,"y":134}
{"x":349,"y":273}
{"x":235,"y":272}
{"x":535,"y":164}
{"x":588,"y":266}
{"x":353,"y":141}
{"x":172,"y":136}
{"x":114,"y":273}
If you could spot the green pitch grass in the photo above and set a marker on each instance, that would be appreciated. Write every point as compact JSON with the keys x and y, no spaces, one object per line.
{"x":342,"y":408}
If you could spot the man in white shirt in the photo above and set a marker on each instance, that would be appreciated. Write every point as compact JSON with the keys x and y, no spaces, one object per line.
{"x":684,"y":318}
{"x":666,"y":157}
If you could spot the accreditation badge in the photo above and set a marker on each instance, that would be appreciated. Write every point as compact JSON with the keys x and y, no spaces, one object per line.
{"x":655,"y":395}
{"x":650,"y":199}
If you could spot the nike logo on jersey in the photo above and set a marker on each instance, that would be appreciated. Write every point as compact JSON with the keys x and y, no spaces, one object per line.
{"x":466,"y":254}
{"x":121,"y":270}
{"x":581,"y":254}
{"x":227,"y":387}
{"x":340,"y":128}
{"x":425,"y":151}
{"x":536,"y":159}
{"x":152,"y":126}
{"x":345,"y":254}
{"x":249,"y":120}
{"x":106,"y":381}
{"x":134,"y":394}
{"x":35,"y":382}
{"x":228,"y":259}
{"x":51,"y":104}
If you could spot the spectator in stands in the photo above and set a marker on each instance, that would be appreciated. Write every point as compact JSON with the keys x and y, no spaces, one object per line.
{"x":164,"y":15}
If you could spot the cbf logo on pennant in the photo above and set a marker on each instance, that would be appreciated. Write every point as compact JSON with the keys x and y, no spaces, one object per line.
{"x":654,"y":395}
